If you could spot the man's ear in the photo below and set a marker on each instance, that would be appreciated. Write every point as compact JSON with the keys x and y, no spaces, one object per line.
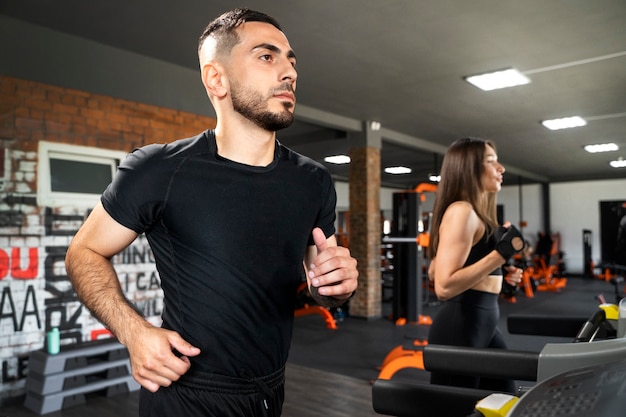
{"x":214,"y":80}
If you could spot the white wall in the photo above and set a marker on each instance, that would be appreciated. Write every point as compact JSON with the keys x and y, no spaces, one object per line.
{"x":574,"y":206}
{"x":529,"y":211}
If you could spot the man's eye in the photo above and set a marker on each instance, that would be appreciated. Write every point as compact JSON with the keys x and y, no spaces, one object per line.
{"x":266,"y":57}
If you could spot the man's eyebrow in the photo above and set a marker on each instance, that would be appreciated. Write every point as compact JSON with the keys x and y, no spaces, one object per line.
{"x":274,"y":48}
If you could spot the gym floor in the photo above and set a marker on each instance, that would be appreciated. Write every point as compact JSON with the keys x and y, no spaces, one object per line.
{"x":329,"y":372}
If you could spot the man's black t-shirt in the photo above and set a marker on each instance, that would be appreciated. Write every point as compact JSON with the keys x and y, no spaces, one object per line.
{"x":229,"y":240}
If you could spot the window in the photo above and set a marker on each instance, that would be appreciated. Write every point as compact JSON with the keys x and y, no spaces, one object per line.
{"x":70,"y":175}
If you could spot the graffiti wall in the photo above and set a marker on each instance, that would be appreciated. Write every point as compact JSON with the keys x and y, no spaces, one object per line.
{"x":35,"y":292}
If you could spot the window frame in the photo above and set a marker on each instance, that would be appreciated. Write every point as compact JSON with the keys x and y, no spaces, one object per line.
{"x":52,"y":150}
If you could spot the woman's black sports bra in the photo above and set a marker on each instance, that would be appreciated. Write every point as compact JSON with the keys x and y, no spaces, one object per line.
{"x":485,"y":245}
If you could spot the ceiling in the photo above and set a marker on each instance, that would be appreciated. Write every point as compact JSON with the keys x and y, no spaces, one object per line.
{"x":402,"y":63}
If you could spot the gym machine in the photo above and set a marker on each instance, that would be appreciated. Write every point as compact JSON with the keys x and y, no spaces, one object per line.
{"x":557,"y":365}
{"x":409,"y":238}
{"x":588,"y":391}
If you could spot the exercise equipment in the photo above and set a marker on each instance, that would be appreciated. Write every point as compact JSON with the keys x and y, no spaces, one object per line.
{"x":404,"y":399}
{"x":587,"y":261}
{"x":617,"y":281}
{"x":307,"y":309}
{"x":545,"y":267}
{"x":496,"y":405}
{"x":594,"y":390}
{"x":409,"y":238}
{"x":420,"y":400}
{"x":588,"y":391}
{"x":613,"y":273}
{"x":406,"y":355}
{"x":415,"y":288}
{"x":410,"y":241}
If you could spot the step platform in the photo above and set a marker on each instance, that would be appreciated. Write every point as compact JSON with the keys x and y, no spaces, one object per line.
{"x":55,"y":382}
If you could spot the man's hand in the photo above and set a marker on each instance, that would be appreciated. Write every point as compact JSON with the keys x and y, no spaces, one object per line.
{"x":153,"y":357}
{"x":332,"y":272}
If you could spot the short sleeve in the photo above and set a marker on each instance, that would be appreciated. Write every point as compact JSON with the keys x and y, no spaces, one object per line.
{"x":327,"y":215}
{"x":135,"y":196}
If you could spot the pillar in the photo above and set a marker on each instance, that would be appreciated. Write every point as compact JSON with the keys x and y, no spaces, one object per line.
{"x":365,"y":230}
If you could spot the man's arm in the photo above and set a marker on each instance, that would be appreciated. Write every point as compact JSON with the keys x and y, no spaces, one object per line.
{"x":331,"y":271}
{"x":88,"y":264}
{"x":93,"y":277}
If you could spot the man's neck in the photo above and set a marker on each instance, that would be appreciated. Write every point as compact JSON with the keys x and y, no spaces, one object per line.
{"x":245,"y":143}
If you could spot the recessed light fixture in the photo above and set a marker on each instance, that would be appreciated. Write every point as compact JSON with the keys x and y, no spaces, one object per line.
{"x":509,"y":77}
{"x":398,"y":170}
{"x":619,"y":163}
{"x":434,"y":177}
{"x":564,"y":123}
{"x":338,"y":159}
{"x":601,"y":147}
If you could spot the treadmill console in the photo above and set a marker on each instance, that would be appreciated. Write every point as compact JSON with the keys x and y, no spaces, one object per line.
{"x":598,"y":391}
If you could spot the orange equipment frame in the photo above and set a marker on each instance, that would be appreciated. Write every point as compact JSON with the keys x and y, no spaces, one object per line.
{"x":307,"y":310}
{"x":544,"y":273}
{"x":401,"y":357}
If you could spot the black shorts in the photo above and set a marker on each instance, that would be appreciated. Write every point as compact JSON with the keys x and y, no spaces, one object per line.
{"x":201,"y":394}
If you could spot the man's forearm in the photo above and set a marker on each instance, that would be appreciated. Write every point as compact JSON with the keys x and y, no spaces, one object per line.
{"x":97,"y":285}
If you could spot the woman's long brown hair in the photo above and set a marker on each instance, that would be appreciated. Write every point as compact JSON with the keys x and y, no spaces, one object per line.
{"x":461,"y":173}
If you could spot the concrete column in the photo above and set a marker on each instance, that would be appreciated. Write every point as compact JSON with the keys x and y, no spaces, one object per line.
{"x":365,"y":228}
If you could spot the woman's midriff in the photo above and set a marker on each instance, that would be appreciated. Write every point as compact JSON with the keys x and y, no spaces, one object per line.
{"x":492,"y":284}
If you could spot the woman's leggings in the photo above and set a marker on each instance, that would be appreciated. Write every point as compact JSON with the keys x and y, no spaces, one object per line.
{"x":470,"y":319}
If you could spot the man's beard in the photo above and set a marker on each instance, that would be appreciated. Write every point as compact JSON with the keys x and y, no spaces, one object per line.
{"x":253,"y":106}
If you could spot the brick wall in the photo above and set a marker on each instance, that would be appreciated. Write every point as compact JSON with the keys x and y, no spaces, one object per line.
{"x":35,"y":293}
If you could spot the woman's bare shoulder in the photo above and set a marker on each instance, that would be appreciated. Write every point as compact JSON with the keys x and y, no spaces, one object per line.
{"x":461,"y":216}
{"x":460,"y":208}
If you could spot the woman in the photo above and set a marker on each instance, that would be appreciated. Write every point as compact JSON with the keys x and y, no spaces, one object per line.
{"x":467,"y":252}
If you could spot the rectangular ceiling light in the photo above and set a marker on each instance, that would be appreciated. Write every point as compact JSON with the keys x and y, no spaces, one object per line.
{"x":564,"y":123}
{"x":398,"y":170}
{"x":338,"y":159}
{"x":619,"y":163}
{"x":498,"y":79}
{"x":601,"y":147}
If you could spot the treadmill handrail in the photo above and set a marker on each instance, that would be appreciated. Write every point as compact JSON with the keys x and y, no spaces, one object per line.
{"x":545,"y":325}
{"x":484,"y":362}
{"x":404,"y":399}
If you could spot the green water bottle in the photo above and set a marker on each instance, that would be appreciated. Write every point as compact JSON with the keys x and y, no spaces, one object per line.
{"x":54,"y":341}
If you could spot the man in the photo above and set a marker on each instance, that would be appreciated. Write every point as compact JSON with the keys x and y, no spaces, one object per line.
{"x":230,"y":215}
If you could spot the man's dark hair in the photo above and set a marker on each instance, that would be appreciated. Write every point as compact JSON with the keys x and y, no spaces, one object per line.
{"x":223,"y":27}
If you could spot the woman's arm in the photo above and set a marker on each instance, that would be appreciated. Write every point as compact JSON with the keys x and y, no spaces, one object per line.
{"x":459,"y":230}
